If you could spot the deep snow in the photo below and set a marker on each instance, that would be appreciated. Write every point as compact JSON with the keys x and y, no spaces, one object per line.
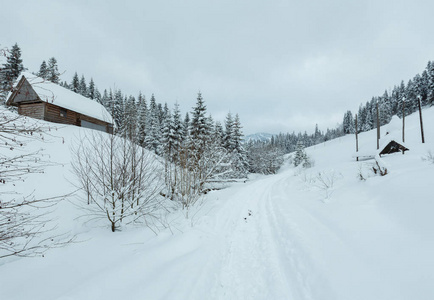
{"x":284,"y":236}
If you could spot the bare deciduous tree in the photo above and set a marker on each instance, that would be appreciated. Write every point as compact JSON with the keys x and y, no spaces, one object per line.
{"x":189,"y":173}
{"x":122,"y":181}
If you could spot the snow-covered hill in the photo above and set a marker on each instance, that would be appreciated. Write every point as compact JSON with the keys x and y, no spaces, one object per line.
{"x":263,"y":137}
{"x":318,"y":233}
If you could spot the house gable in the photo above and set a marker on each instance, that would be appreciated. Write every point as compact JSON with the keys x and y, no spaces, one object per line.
{"x":23,"y":93}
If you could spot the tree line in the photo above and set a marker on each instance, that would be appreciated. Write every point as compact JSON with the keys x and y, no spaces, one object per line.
{"x":401,"y":101}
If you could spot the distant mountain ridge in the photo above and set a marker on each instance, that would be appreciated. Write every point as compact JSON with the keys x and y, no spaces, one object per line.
{"x":262,"y":136}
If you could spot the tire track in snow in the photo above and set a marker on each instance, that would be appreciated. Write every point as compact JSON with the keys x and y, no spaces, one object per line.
{"x":325,"y":257}
{"x":260,"y":261}
{"x":294,"y":255}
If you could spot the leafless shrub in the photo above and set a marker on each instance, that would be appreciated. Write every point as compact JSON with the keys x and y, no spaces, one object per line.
{"x":24,"y":219}
{"x":429,"y":157}
{"x":325,"y":181}
{"x":360,"y":174}
{"x":379,"y":168}
{"x":121,"y":181}
{"x":25,"y":228}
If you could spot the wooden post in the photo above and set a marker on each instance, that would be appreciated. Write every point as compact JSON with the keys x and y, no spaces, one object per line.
{"x":403,"y":122}
{"x":421,"y":122}
{"x":357,"y":141}
{"x":403,"y":119}
{"x":378,"y":128}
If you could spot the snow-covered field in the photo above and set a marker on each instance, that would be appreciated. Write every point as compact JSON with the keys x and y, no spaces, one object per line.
{"x":319,"y":233}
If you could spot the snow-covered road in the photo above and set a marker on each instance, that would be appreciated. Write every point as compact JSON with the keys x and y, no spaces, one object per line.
{"x":262,"y":257}
{"x":270,"y":238}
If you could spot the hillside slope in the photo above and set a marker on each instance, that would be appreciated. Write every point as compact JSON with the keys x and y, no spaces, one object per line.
{"x":319,"y":233}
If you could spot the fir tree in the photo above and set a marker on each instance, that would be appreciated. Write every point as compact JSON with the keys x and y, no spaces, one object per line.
{"x":239,"y":154}
{"x":385,"y":109}
{"x":53,"y":71}
{"x":118,"y":109}
{"x":142,"y":118}
{"x":43,"y":70}
{"x":369,"y":121}
{"x":10,"y":70}
{"x":228,"y":140}
{"x":410,"y":98}
{"x":82,"y":87}
{"x":105,"y":99}
{"x":91,"y":92}
{"x":317,"y":135}
{"x":219,"y":134}
{"x":167,"y":142}
{"x":110,"y":103}
{"x":97,"y":96}
{"x":348,"y":123}
{"x":424,"y":87}
{"x":153,"y":137}
{"x":186,"y":126}
{"x":300,"y":156}
{"x":130,"y":118}
{"x":237,"y":135}
{"x":199,"y":128}
{"x":394,"y":101}
{"x":419,"y":88}
{"x":75,"y":83}
{"x":177,"y":128}
{"x":430,"y":72}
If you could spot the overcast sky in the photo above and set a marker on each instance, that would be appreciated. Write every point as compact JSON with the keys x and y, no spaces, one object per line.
{"x":282,"y":65}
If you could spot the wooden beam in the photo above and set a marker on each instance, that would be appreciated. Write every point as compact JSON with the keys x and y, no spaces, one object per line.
{"x":421,"y":122}
{"x":378,"y":128}
{"x":357,"y":140}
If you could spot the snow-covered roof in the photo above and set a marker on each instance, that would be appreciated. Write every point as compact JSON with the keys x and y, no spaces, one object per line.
{"x":368,"y":150}
{"x":65,"y":98}
{"x":387,"y":139}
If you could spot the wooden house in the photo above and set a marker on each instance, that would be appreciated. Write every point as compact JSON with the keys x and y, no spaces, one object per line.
{"x":44,"y":100}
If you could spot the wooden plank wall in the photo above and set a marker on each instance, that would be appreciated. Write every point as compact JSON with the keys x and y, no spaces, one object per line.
{"x":52,"y":114}
{"x":49,"y":112}
{"x":34,"y":110}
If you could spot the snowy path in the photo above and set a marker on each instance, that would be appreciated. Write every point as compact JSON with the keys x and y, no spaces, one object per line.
{"x":261,"y":260}
{"x":295,"y":246}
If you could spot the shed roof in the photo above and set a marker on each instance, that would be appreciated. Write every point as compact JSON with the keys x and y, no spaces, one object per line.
{"x":65,"y":98}
{"x":385,"y":142}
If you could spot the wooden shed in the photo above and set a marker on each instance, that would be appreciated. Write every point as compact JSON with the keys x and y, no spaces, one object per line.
{"x":391,"y":147}
{"x":44,"y":100}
